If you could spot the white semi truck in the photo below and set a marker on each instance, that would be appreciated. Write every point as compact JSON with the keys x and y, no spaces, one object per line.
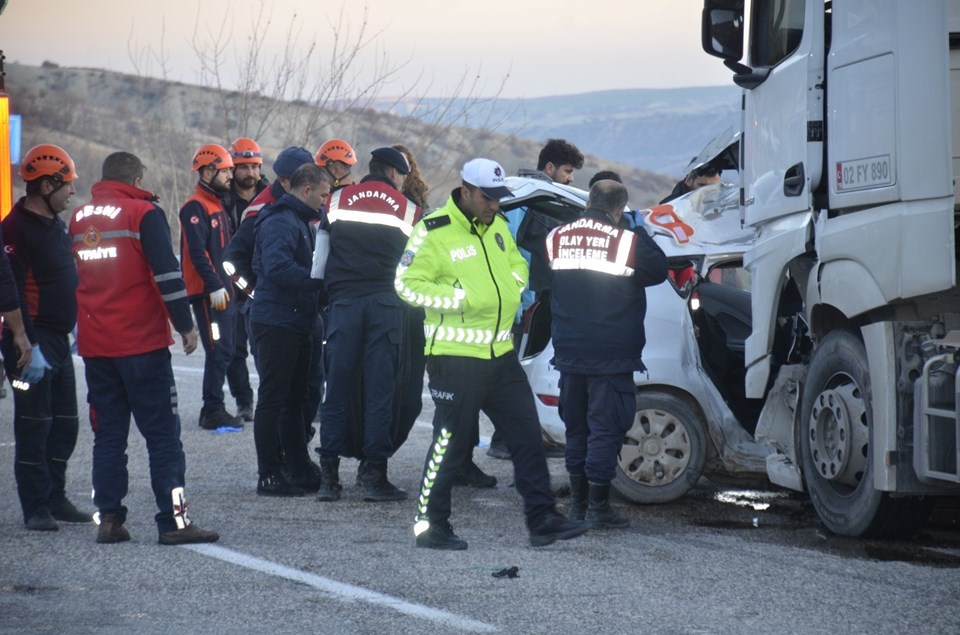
{"x":849,"y":166}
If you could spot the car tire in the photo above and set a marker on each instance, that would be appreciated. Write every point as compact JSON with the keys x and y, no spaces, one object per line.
{"x":663,"y":452}
{"x":836,"y":424}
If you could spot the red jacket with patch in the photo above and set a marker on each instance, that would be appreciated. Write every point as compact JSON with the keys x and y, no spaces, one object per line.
{"x":129,"y":275}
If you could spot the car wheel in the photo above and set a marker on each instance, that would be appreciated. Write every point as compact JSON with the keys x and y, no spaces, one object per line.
{"x":836,"y":421}
{"x":663,"y":452}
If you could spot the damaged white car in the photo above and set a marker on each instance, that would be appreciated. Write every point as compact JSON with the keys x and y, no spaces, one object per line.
{"x":692,"y":416}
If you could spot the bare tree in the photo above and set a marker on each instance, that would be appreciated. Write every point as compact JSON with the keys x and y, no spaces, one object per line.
{"x":162,"y":144}
{"x":305,"y":93}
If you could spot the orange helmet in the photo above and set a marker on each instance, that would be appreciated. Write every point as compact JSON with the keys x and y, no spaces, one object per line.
{"x":47,"y":160}
{"x":245,"y":150}
{"x":335,"y":150}
{"x":212,"y":154}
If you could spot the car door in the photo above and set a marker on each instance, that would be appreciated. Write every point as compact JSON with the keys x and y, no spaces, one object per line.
{"x":535,"y":208}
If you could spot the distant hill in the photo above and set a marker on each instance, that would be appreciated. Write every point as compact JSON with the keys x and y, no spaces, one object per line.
{"x":652,"y":129}
{"x":92,"y":112}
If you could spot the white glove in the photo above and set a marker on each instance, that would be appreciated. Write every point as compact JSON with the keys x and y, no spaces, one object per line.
{"x":218,"y":299}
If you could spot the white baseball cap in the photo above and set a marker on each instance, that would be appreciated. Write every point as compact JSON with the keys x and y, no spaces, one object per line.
{"x":488,"y":176}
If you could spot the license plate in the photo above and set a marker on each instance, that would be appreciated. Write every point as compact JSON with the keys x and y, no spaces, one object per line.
{"x":862,"y":174}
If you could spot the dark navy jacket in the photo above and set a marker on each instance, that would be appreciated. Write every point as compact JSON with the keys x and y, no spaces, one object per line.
{"x":239,"y":252}
{"x":598,"y":295}
{"x":9,"y":296}
{"x":235,"y":204}
{"x":282,"y":256}
{"x":370,"y":223}
{"x":41,"y":257}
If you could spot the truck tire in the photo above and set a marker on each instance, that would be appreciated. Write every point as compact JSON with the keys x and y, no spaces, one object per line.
{"x":664,"y":451}
{"x":836,"y":423}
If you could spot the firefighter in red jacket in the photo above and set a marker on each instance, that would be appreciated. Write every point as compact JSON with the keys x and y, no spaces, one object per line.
{"x":129,"y":286}
{"x":204,"y":234}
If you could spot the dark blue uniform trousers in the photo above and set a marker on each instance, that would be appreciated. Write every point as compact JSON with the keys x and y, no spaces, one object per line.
{"x":141,"y":385}
{"x":597,"y":410}
{"x":238,"y":377}
{"x":217,"y":331}
{"x":364,"y":337}
{"x":461,"y":387}
{"x":45,"y":423}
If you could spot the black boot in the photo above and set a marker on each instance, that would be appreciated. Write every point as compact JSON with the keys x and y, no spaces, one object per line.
{"x":440,"y":535}
{"x":277,"y":484}
{"x":309,"y":481}
{"x":599,"y":513}
{"x":471,"y":475}
{"x":376,"y":487}
{"x":65,"y":511}
{"x":330,"y":480}
{"x":553,"y":527}
{"x":579,"y":494}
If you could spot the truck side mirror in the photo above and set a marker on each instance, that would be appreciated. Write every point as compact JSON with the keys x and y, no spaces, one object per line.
{"x":721,"y":32}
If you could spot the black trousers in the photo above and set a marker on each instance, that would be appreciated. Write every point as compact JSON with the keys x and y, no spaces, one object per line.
{"x":315,"y":382}
{"x":461,"y":387}
{"x":45,"y":423}
{"x":283,"y":357}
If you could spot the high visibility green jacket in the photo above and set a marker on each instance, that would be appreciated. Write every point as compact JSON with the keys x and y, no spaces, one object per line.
{"x":467,"y":276}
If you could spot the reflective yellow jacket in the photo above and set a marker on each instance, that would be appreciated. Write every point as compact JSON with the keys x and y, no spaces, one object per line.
{"x":467,"y":276}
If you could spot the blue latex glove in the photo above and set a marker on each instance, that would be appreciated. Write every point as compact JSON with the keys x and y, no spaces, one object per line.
{"x":37,"y":368}
{"x":634,"y":219}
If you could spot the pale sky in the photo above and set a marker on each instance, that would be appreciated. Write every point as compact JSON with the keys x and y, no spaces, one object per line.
{"x":547,"y":48}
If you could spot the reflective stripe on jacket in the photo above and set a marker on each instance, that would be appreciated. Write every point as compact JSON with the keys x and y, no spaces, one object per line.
{"x":598,"y":296}
{"x":129,"y":276}
{"x":370,"y":223}
{"x":467,"y":276}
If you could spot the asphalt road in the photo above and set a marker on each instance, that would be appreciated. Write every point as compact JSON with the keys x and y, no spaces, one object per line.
{"x":721,"y":560}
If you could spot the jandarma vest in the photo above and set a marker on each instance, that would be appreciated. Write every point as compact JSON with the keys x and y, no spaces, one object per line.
{"x":370,"y":222}
{"x":598,"y":304}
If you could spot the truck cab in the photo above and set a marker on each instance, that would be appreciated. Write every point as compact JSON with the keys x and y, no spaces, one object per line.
{"x":848,"y":175}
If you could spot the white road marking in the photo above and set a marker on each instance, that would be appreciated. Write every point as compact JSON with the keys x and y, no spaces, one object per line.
{"x":343,"y":592}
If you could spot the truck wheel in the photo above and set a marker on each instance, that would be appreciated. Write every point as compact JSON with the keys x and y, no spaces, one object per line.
{"x":835,"y":440}
{"x":663,"y":452}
